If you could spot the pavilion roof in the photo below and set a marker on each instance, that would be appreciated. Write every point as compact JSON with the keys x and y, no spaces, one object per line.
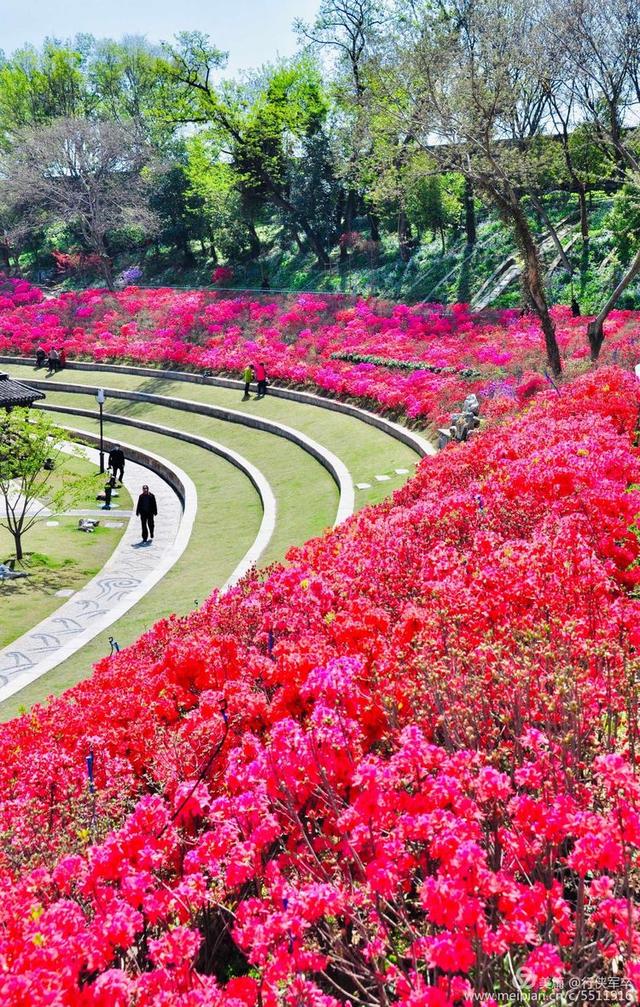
{"x":14,"y":393}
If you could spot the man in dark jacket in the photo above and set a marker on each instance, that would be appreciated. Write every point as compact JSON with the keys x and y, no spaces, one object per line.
{"x":147,"y":510}
{"x":116,"y":462}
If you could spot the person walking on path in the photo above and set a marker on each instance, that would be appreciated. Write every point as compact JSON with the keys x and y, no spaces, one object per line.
{"x":261,"y":378}
{"x":247,"y":377}
{"x":147,"y":511}
{"x":116,"y":462}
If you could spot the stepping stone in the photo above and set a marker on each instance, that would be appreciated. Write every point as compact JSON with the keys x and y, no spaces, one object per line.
{"x":363,"y":486}
{"x":383,"y":479}
{"x":52,"y":524}
{"x":113,"y":524}
{"x":65,"y":592}
{"x":402,"y":472}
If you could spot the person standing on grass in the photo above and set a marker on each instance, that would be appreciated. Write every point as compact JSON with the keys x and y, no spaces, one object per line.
{"x":261,"y":378}
{"x":54,"y":361}
{"x":147,"y":511}
{"x":116,"y":462}
{"x":247,"y":377}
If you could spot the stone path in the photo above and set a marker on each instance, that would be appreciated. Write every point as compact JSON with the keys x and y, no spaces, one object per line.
{"x":127,"y":575}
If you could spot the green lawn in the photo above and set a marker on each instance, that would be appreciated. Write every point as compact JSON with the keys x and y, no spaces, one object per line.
{"x":365,"y":450}
{"x":56,"y":558}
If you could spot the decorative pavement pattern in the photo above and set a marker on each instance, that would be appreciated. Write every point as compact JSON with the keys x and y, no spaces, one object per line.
{"x":123,"y":576}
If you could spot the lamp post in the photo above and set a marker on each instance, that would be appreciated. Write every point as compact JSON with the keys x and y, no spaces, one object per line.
{"x":100,"y":398}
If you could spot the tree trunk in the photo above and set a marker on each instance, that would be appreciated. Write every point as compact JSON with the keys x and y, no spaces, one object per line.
{"x":213,"y":255}
{"x":442,"y":239}
{"x":255,"y":248}
{"x":374,"y":226}
{"x":469,"y":213}
{"x":349,"y":211}
{"x":553,"y":233}
{"x":107,"y":272}
{"x":533,"y":282}
{"x":17,"y":540}
{"x":317,"y":246}
{"x":404,"y":236}
{"x":595,"y":329}
{"x":188,"y":257}
{"x":298,"y":221}
{"x":584,"y":214}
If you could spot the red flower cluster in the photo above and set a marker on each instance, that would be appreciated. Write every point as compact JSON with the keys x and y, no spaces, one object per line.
{"x":222,"y":275}
{"x":76,"y":262}
{"x":15,"y":292}
{"x":401,"y":769}
{"x":498,"y":356}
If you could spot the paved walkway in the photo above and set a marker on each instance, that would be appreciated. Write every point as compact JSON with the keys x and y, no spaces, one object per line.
{"x":130,"y":571}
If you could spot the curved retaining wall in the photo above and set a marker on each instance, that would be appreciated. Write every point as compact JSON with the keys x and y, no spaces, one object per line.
{"x":336,"y":468}
{"x":43,"y":659}
{"x":414,"y":440}
{"x":255,"y":476}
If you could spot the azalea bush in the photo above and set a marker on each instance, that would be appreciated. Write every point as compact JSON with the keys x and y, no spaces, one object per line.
{"x":16,"y":292}
{"x":401,"y":769}
{"x":367,"y":351}
{"x":222,"y":275}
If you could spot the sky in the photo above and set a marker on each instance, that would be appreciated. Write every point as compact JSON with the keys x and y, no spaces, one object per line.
{"x":253,"y":32}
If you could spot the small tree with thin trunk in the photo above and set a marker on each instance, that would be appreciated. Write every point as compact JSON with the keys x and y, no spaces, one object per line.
{"x":30,"y":446}
{"x":81,"y":172}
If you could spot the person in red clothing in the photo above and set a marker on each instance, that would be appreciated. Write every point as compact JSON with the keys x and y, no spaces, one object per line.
{"x":261,"y":378}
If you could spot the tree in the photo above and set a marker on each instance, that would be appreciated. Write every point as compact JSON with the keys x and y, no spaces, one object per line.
{"x":600,"y":46}
{"x":259,"y":124}
{"x":126,"y":83}
{"x":30,"y":445}
{"x":81,"y":172}
{"x":179,"y":210}
{"x":224,"y":210}
{"x":346,"y":29}
{"x":464,"y":79}
{"x":37,"y":87}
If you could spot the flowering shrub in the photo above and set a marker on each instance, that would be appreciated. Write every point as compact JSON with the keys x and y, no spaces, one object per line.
{"x":76,"y":262}
{"x":130,"y":276}
{"x":323,"y":343}
{"x":15,"y":292}
{"x":399,"y":770}
{"x":222,"y":275}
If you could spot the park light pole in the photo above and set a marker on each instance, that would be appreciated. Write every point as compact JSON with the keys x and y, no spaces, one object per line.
{"x":100,"y":397}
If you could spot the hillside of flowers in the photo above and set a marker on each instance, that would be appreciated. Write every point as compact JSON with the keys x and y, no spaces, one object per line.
{"x":326,"y":343}
{"x":400,"y":770}
{"x":16,"y":292}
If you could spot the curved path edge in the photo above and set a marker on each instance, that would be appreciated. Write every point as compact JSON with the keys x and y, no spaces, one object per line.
{"x":334,"y":465}
{"x":182,"y":485}
{"x":411,"y":438}
{"x":254,"y":475}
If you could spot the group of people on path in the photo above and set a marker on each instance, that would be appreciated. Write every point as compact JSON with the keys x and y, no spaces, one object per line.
{"x":147,"y":507}
{"x":257,"y":374}
{"x":56,"y":359}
